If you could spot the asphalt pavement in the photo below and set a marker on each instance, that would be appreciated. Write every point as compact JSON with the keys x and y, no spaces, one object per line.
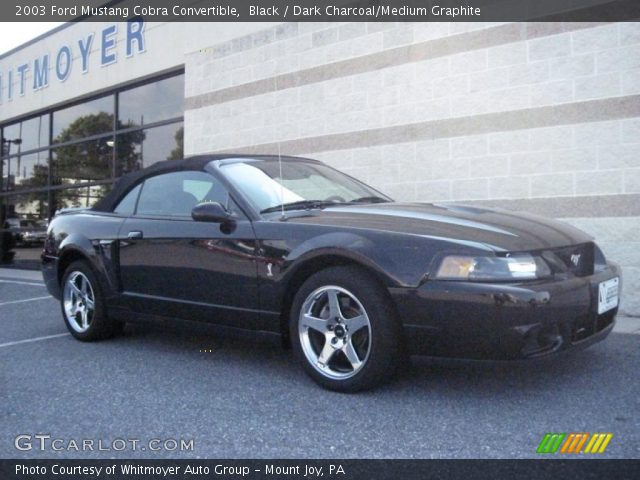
{"x":244,"y":399}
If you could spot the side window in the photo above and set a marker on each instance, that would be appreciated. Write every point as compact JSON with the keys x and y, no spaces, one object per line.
{"x":128,"y":204}
{"x":176,"y":193}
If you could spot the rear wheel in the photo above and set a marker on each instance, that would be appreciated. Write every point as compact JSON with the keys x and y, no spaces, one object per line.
{"x":344,"y":330}
{"x":83,"y":307}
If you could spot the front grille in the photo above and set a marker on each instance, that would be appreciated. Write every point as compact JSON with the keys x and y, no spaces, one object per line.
{"x":577,"y":259}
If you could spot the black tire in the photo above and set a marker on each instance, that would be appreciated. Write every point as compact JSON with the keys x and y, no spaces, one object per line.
{"x":355,"y":285}
{"x":100,"y":325}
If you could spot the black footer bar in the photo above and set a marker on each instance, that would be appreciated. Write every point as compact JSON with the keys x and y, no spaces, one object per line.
{"x":314,"y":469}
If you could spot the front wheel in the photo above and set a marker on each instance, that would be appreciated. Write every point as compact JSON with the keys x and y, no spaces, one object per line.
{"x":344,"y":330}
{"x":83,"y":305}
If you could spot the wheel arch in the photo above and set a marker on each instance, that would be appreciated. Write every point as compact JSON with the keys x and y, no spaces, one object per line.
{"x":305,"y":269}
{"x":72,"y":248}
{"x":67,"y":257}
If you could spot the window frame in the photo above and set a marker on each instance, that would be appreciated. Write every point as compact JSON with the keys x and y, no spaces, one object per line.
{"x":237,"y":213}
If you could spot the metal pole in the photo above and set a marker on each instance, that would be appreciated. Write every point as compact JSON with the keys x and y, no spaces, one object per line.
{"x":2,"y":155}
{"x":3,"y":210}
{"x":8,"y":143}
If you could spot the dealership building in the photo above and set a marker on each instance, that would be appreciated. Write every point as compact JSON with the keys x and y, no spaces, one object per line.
{"x":537,"y":117}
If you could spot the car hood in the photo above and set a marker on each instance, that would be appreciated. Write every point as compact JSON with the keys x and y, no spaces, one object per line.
{"x":500,"y":230}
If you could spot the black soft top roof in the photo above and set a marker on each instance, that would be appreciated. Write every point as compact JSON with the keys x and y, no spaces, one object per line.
{"x":128,"y":181}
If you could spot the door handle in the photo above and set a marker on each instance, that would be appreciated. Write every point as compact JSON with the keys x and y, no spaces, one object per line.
{"x":135,"y":235}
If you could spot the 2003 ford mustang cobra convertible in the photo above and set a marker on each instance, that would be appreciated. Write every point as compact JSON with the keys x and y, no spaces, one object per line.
{"x":353,"y":280}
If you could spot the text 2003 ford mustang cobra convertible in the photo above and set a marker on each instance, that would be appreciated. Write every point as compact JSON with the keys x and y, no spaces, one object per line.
{"x":352,"y":279}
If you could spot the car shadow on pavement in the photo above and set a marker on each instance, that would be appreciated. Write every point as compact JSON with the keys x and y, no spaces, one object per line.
{"x":420,"y":373}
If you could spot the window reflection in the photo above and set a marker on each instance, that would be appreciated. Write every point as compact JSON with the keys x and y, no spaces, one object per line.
{"x":43,"y":205}
{"x":153,"y":102}
{"x":27,"y":208}
{"x":143,"y":148}
{"x":37,"y":179}
{"x":28,"y":135}
{"x":83,"y":162}
{"x":83,"y":120}
{"x":34,"y":133}
{"x":79,"y":197}
{"x":27,"y":171}
{"x":10,"y":134}
{"x":24,"y":228}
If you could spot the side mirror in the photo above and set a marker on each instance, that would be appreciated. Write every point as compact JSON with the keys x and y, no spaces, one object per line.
{"x":211,"y":212}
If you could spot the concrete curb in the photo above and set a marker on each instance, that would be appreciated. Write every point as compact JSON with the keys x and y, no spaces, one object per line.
{"x":627,"y":325}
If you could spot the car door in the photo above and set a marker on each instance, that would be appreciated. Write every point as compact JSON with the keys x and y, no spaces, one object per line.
{"x":171,"y":265}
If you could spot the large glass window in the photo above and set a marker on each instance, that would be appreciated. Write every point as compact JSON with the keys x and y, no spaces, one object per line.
{"x":35,"y":133}
{"x":83,"y":162}
{"x":24,"y":228}
{"x":79,"y":197}
{"x":72,"y":156}
{"x":141,"y":148}
{"x":10,"y":134}
{"x":83,"y":120}
{"x":154,"y":102}
{"x":31,"y":207}
{"x":29,"y":135}
{"x":27,"y":171}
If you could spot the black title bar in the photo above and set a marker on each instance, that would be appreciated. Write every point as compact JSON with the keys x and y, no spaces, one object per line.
{"x":317,"y":10}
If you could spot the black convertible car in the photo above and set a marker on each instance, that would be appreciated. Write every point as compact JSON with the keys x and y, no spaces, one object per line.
{"x":354,"y":281}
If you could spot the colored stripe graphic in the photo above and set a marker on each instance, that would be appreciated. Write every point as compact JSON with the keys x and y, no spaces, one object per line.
{"x":551,"y":442}
{"x":543,"y":443}
{"x":566,"y":446}
{"x":581,"y":443}
{"x":598,"y":443}
{"x":574,"y":443}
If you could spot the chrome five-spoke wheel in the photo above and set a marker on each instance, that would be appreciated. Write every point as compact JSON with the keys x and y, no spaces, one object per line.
{"x":344,"y":329}
{"x":78,"y":301}
{"x":335,"y":332}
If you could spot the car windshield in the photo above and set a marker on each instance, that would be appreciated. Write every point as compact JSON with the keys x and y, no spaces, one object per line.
{"x":270,"y":185}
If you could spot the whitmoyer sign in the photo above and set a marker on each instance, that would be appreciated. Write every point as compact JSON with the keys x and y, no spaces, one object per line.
{"x":61,"y":63}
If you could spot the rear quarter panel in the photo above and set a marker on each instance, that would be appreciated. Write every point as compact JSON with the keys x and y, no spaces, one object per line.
{"x":91,"y":235}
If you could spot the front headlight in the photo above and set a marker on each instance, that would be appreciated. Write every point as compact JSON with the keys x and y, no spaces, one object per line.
{"x":512,"y":267}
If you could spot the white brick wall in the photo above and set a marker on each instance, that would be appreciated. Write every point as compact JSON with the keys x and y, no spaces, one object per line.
{"x":591,"y":158}
{"x":581,"y":159}
{"x":521,"y":164}
{"x":529,"y":163}
{"x":551,"y":70}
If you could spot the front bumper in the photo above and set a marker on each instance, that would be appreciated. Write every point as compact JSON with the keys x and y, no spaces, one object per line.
{"x":504,"y":321}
